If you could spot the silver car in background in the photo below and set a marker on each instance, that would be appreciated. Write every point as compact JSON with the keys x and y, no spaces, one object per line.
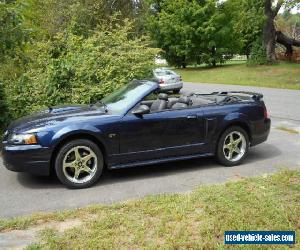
{"x":168,"y":80}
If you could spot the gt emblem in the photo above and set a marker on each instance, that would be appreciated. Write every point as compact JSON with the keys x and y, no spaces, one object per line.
{"x":111,"y":135}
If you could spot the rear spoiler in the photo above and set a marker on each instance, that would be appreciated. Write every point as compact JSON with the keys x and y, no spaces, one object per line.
{"x":255,"y":96}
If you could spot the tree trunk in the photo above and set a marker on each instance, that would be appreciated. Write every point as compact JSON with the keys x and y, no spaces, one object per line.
{"x":213,"y":54}
{"x":183,"y":62}
{"x":269,"y":37}
{"x":269,"y":32}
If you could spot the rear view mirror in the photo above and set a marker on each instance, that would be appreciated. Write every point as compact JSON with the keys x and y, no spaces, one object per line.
{"x":141,"y":110}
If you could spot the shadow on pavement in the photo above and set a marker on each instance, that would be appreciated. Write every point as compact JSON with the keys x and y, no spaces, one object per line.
{"x":109,"y":177}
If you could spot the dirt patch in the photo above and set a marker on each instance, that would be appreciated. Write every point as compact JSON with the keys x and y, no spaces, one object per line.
{"x":19,"y":239}
{"x":294,"y":180}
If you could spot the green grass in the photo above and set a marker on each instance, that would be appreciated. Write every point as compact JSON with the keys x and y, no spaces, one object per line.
{"x":283,"y":75}
{"x":196,"y":220}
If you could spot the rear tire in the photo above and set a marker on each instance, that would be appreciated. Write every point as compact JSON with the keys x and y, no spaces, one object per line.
{"x":233,"y":146}
{"x":79,"y":163}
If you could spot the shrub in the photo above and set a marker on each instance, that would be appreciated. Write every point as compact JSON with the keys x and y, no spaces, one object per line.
{"x":74,"y":69}
{"x":3,"y":108}
{"x":258,"y":54}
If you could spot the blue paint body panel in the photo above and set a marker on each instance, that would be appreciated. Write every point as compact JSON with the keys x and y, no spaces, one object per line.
{"x":131,"y":140}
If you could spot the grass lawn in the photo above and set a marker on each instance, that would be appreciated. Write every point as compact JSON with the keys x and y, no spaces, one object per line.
{"x":194,"y":220}
{"x":283,"y":75}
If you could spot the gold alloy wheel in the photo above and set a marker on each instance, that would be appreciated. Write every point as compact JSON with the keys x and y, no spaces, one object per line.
{"x":80,"y":164}
{"x":234,"y":146}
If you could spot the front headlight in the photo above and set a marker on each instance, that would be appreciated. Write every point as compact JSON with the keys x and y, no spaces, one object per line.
{"x":22,"y":139}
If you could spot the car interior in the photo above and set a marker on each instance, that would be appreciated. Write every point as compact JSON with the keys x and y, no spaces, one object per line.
{"x":162,"y":101}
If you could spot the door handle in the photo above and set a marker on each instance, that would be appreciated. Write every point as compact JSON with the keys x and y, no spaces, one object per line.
{"x":191,"y":117}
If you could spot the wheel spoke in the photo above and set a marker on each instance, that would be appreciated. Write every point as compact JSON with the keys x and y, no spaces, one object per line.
{"x":76,"y":174}
{"x":87,"y":169}
{"x":69,"y":165}
{"x":231,"y":138}
{"x":230,"y":154}
{"x":87,"y":158}
{"x":238,"y":140}
{"x":237,"y":150}
{"x":77,"y":154}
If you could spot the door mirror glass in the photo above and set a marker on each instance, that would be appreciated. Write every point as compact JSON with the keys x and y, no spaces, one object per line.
{"x":141,"y":110}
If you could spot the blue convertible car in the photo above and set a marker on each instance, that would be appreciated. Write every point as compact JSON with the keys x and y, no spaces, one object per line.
{"x":134,"y":126}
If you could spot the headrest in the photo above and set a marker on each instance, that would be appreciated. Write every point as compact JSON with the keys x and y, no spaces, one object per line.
{"x":189,"y":94}
{"x":163,"y":96}
{"x":184,"y":99}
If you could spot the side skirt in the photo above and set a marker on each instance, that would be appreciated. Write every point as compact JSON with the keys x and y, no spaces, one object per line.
{"x":157,"y":161}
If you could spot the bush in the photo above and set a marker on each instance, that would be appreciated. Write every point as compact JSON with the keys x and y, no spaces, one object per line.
{"x":74,"y":69}
{"x":258,"y":54}
{"x":3,"y":108}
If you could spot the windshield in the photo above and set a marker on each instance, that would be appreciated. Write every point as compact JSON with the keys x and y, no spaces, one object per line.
{"x":126,"y":97}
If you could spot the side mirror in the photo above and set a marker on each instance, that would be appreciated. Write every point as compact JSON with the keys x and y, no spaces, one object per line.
{"x":141,"y":110}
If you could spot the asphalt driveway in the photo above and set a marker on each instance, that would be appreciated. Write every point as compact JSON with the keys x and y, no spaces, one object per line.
{"x":23,"y":194}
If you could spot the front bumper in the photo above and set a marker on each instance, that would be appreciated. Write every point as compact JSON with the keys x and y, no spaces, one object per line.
{"x":33,"y":159}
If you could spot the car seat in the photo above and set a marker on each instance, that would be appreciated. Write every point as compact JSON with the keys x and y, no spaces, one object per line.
{"x":183,"y":102}
{"x":160,"y":103}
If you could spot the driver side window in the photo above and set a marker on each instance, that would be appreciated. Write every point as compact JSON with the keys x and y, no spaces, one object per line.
{"x":156,"y":102}
{"x":149,"y":99}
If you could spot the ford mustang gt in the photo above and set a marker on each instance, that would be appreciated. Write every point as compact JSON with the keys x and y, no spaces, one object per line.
{"x":134,"y":126}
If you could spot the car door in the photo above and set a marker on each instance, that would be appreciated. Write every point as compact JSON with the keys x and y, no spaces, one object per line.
{"x":184,"y":133}
{"x":162,"y":134}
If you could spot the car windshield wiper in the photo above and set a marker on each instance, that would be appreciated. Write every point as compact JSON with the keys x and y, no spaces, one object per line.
{"x":101,"y":104}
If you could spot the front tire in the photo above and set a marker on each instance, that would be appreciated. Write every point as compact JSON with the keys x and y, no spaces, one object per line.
{"x":233,"y":146}
{"x":176,"y":91}
{"x":79,"y":163}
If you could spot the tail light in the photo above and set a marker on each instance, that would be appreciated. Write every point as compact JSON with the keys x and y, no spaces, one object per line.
{"x":161,"y":81}
{"x":266,"y":113}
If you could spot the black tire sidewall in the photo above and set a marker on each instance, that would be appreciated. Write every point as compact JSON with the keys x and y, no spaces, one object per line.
{"x":219,"y":152}
{"x":60,"y":157}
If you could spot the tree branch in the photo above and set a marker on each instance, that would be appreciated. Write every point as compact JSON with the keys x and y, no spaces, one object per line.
{"x":287,"y":42}
{"x":283,"y":39}
{"x":278,"y":6}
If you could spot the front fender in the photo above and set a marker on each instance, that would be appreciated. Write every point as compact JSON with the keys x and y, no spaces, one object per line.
{"x":72,"y":130}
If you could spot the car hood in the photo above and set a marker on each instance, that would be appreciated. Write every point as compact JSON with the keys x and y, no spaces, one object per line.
{"x":54,"y":116}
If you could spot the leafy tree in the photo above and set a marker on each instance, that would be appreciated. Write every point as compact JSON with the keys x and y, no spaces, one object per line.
{"x":270,"y":35}
{"x":50,"y":17}
{"x":192,"y":31}
{"x":289,"y":24}
{"x":255,"y":21}
{"x":247,"y":17}
{"x":13,"y":36}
